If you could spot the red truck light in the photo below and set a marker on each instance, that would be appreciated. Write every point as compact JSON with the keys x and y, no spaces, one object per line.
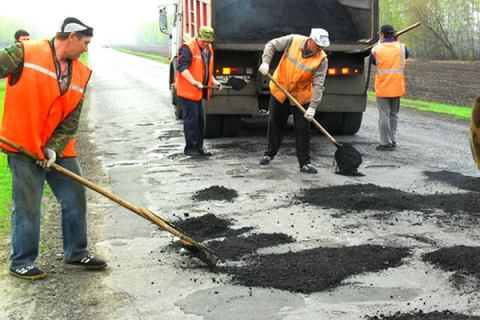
{"x":343,"y":71}
{"x":229,"y":71}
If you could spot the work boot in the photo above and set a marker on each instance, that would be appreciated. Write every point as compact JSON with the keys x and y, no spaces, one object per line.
{"x":204,"y":153}
{"x":89,"y":262}
{"x":266,"y":160}
{"x":387,"y":147}
{"x":394,"y":145}
{"x":28,"y":273}
{"x":308,"y":168}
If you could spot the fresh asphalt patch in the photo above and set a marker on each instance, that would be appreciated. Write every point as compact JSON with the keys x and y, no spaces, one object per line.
{"x":455,"y":179}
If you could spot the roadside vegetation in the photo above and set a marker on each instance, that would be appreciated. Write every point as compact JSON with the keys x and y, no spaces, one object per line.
{"x":143,"y":55}
{"x":456,"y":111}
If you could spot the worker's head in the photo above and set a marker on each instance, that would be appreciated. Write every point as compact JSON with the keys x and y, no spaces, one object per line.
{"x":21,"y":35}
{"x":205,"y":36}
{"x":77,"y":36}
{"x":387,"y":31}
{"x":318,"y":40}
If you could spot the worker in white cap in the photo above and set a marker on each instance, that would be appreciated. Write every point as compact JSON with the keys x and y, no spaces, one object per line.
{"x":301,"y":72}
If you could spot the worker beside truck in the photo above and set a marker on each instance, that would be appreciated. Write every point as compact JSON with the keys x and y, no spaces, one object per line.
{"x":390,"y":58}
{"x":301,"y":71}
{"x":194,"y":75}
{"x":43,"y":101}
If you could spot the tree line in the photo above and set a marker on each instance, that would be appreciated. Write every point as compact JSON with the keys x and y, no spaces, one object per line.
{"x":8,"y":27}
{"x":449,"y":30}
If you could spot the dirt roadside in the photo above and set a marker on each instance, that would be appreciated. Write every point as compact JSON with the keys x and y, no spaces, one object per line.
{"x":67,"y":292}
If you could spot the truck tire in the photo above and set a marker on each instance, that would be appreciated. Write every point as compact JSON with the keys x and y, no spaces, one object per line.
{"x":330,"y":121}
{"x":351,"y":123}
{"x":230,"y":125}
{"x":213,"y":122}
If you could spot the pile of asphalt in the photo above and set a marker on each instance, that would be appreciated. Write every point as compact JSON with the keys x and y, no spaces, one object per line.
{"x":363,"y":197}
{"x":306,"y":271}
{"x":436,"y":315}
{"x":455,"y":179}
{"x":261,"y":21}
{"x":459,"y":259}
{"x":215,"y":193}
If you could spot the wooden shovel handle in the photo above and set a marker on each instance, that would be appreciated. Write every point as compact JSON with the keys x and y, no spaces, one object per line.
{"x":299,"y":106}
{"x":145,"y":213}
{"x":217,"y":87}
{"x":399,"y":33}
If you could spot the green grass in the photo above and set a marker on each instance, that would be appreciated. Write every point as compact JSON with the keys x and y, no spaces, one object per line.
{"x":456,"y":111}
{"x":5,"y":182}
{"x":143,"y":55}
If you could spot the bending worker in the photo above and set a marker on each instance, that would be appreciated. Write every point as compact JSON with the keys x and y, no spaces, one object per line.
{"x":194,"y":71}
{"x":390,"y":57}
{"x":301,"y":72}
{"x":43,"y":101}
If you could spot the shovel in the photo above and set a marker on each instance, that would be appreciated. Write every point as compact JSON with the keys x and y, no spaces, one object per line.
{"x":203,"y":253}
{"x":232,"y":83}
{"x":347,"y":157}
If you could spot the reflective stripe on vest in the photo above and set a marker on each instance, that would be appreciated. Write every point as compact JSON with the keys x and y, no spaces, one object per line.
{"x":296,"y":73}
{"x":197,"y":68}
{"x":390,"y":77}
{"x":43,"y":107}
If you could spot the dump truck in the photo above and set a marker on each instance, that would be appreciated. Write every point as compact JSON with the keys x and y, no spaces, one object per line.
{"x":243,"y":27}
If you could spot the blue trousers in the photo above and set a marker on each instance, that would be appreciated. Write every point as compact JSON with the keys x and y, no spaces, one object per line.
{"x":28,"y":180}
{"x":193,"y":124}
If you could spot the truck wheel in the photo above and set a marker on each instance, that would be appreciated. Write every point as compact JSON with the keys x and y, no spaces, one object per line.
{"x":230,"y":125}
{"x":176,"y":106}
{"x":330,"y":121}
{"x":213,"y":122}
{"x":351,"y":123}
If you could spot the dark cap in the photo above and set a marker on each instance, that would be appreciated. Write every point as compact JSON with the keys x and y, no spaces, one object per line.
{"x":387,"y":29}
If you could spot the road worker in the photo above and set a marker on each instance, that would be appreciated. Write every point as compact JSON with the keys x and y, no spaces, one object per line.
{"x":390,"y":58}
{"x":194,"y":72}
{"x":475,"y":131}
{"x":44,"y":97}
{"x":21,"y":35}
{"x":301,"y":72}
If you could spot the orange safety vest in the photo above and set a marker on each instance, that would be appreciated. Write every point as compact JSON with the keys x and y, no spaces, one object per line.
{"x":296,"y":74}
{"x":390,"y":77}
{"x":184,"y":88}
{"x":34,"y":106}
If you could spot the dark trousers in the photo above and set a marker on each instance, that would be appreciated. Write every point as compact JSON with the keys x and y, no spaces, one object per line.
{"x":193,"y":124}
{"x":277,"y":122}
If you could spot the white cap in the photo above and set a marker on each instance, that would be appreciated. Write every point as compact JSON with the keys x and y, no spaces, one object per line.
{"x":320,"y":36}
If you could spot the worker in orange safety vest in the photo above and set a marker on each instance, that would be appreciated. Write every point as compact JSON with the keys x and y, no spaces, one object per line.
{"x":194,"y":73}
{"x":390,"y":58}
{"x":43,"y":102}
{"x":301,"y":72}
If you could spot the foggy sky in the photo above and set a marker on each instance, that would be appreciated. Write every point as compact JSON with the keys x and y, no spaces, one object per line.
{"x":113,"y":21}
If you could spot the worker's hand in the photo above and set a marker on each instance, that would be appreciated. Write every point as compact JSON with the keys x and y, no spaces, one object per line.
{"x":198,"y":85}
{"x":50,"y":158}
{"x":218,"y":84}
{"x":309,"y":114}
{"x":264,"y":67}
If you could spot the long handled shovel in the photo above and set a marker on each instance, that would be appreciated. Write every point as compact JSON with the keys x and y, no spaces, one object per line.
{"x":203,"y":253}
{"x":347,"y":157}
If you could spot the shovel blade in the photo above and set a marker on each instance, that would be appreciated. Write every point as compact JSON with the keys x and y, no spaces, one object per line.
{"x":348,"y":159}
{"x":236,"y":83}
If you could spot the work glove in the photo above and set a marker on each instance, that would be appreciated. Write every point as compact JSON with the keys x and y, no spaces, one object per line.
{"x":198,"y":85}
{"x":309,"y":114}
{"x":218,"y":84}
{"x":50,"y":158}
{"x":264,"y":67}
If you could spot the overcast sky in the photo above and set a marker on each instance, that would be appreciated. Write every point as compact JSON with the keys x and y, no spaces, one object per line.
{"x":113,"y":21}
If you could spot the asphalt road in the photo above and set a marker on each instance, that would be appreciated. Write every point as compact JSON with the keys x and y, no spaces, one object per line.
{"x":140,"y":145}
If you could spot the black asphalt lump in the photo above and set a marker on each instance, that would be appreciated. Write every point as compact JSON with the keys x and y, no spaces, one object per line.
{"x":363,"y":197}
{"x":458,"y":259}
{"x":215,"y":193}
